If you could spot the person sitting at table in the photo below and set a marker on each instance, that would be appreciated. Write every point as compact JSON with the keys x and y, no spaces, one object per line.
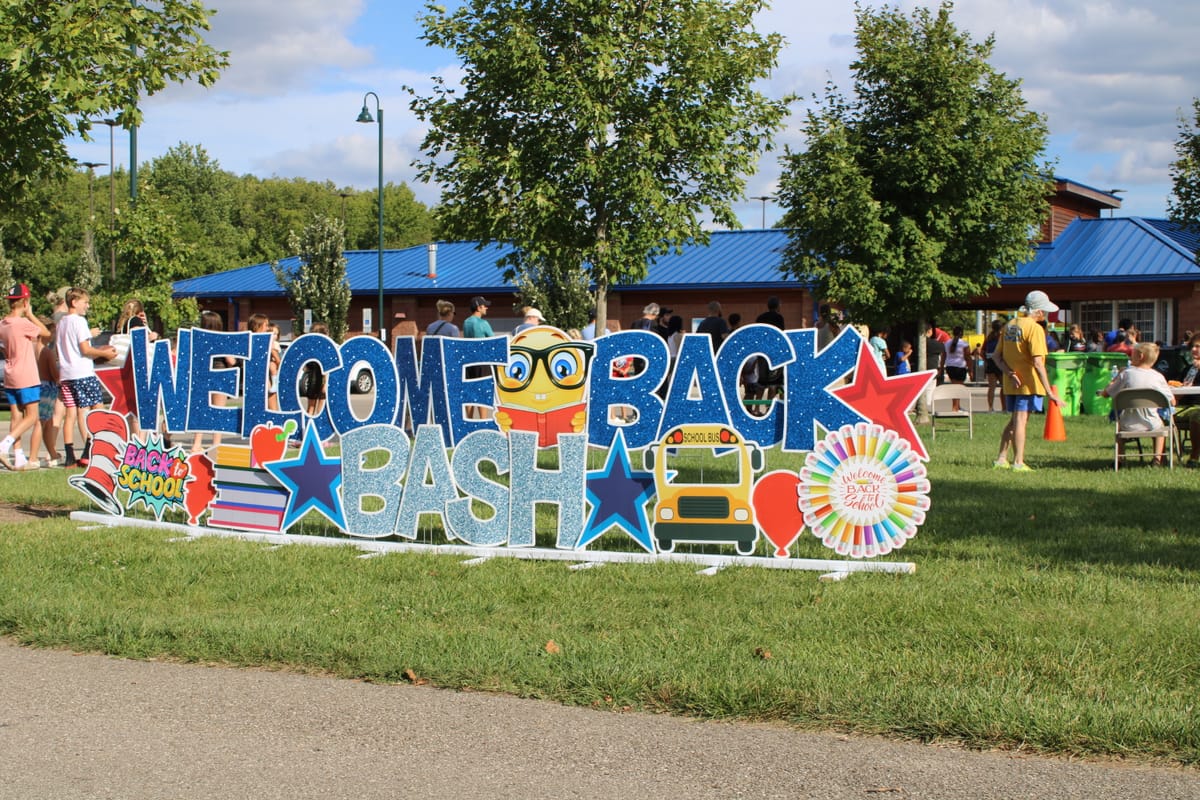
{"x":1141,"y":375}
{"x":1126,"y":342}
{"x":1188,"y":413}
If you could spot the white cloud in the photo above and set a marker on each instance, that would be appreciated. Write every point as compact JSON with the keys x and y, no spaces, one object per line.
{"x":279,"y":47}
{"x":1111,"y":78}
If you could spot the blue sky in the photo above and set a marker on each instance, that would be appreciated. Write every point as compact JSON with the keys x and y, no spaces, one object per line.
{"x":1111,"y":78}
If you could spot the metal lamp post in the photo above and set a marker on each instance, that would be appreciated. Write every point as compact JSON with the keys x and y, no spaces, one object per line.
{"x":91,"y":165}
{"x":112,"y":201}
{"x":365,"y":116}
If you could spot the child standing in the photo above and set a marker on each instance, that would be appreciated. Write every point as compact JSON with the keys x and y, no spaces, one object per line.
{"x":315,"y":387}
{"x":50,"y":407}
{"x":77,"y":356}
{"x":19,"y":331}
{"x":276,"y":359}
{"x":261,"y":323}
{"x":903,"y":367}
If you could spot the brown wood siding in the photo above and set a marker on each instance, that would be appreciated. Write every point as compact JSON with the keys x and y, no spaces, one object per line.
{"x":1064,"y":211}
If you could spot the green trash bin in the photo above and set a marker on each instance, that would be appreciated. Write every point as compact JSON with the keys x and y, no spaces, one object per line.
{"x":1065,"y":371}
{"x":1098,"y":370}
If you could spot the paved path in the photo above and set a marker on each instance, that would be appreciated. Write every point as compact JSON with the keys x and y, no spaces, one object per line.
{"x":87,"y":726}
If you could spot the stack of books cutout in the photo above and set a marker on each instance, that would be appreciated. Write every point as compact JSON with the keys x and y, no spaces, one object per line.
{"x":248,"y":497}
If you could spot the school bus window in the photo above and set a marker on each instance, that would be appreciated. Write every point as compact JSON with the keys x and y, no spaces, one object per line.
{"x":703,"y":466}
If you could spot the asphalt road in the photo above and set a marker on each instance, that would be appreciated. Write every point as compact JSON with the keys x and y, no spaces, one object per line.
{"x":88,"y":726}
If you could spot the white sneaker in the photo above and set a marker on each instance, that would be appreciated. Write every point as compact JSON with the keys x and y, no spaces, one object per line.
{"x":5,"y":446}
{"x":19,"y":460}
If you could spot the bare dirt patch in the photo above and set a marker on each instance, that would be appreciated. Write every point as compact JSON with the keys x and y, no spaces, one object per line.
{"x":12,"y":513}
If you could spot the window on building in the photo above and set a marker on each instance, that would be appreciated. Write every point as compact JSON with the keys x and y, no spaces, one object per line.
{"x":1152,"y":317}
{"x":1095,"y":317}
{"x":1142,"y":313}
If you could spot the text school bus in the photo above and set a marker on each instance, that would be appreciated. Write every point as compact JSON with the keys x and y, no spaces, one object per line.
{"x":703,"y":475}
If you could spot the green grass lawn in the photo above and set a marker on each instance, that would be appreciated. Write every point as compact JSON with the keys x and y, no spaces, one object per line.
{"x":1055,"y":611}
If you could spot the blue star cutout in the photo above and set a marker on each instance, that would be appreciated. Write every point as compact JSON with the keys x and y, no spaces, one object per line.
{"x":618,"y":496}
{"x":312,"y":481}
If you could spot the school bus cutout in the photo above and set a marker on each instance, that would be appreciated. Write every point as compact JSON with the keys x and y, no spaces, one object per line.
{"x":703,"y":475}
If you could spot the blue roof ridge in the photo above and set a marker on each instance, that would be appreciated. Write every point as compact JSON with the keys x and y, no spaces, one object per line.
{"x":185,"y":281}
{"x":1154,"y":231}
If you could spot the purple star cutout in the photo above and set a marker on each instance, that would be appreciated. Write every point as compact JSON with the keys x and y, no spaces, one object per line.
{"x":312,"y":481}
{"x":618,"y":496}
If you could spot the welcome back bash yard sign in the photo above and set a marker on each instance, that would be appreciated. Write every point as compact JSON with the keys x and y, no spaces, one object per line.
{"x":683,"y":459}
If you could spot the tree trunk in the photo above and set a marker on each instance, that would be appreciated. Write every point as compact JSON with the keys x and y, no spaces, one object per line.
{"x":922,"y":409}
{"x":601,"y":306}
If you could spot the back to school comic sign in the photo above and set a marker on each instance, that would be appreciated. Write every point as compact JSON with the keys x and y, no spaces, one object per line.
{"x":683,"y":457}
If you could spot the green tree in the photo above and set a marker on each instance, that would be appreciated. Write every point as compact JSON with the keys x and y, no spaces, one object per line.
{"x":562,"y":293}
{"x":406,"y":221}
{"x":151,"y":256}
{"x":1184,"y":206}
{"x":272,"y":208}
{"x":87,"y":270}
{"x":268,"y":210}
{"x":319,"y":281}
{"x":6,"y":267}
{"x":67,"y":63}
{"x":596,"y":132}
{"x":45,"y":245}
{"x":201,"y":197}
{"x":917,"y":192}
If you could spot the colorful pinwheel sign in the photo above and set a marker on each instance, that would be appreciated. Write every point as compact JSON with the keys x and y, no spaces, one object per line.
{"x":863,"y":491}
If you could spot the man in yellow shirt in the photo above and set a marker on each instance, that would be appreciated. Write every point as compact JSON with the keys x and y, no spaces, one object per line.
{"x":1021,"y":357}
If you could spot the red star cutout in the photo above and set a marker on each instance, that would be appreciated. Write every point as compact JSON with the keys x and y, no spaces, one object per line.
{"x":118,"y":381}
{"x":883,"y":400}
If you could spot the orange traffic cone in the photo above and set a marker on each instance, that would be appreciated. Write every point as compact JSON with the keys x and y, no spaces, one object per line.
{"x":1055,"y":431}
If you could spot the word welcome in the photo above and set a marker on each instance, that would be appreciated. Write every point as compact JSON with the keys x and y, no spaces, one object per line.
{"x":701,"y":387}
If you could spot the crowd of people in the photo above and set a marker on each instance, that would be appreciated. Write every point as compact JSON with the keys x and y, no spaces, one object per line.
{"x":49,"y":378}
{"x":50,"y":375}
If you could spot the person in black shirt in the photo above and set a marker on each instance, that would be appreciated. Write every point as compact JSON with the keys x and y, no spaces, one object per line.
{"x":772,"y":316}
{"x":714,"y":325}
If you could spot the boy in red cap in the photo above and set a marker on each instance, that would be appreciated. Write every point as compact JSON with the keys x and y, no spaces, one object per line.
{"x":19,"y":331}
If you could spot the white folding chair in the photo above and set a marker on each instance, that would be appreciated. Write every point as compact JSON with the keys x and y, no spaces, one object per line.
{"x":1148,"y":399}
{"x":943,"y":406}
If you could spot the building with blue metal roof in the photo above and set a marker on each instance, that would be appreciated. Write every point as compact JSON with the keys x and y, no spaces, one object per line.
{"x":1104,"y":270}
{"x":1099,"y":270}
{"x":736,"y":266}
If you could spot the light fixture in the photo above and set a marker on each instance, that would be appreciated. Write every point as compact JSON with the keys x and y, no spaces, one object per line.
{"x":365,"y":116}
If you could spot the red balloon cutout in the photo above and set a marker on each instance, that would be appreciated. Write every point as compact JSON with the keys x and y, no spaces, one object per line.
{"x":777,"y":509}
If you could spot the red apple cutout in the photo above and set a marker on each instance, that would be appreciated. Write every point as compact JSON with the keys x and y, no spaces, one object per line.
{"x":269,"y":443}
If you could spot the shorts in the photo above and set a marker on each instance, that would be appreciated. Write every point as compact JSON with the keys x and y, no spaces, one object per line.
{"x":82,"y":392}
{"x":991,"y":367}
{"x":23,"y":397}
{"x":1023,"y":402}
{"x":48,"y":400}
{"x":957,"y":373}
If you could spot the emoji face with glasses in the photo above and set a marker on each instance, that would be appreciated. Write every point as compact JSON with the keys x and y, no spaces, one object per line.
{"x":542,"y":387}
